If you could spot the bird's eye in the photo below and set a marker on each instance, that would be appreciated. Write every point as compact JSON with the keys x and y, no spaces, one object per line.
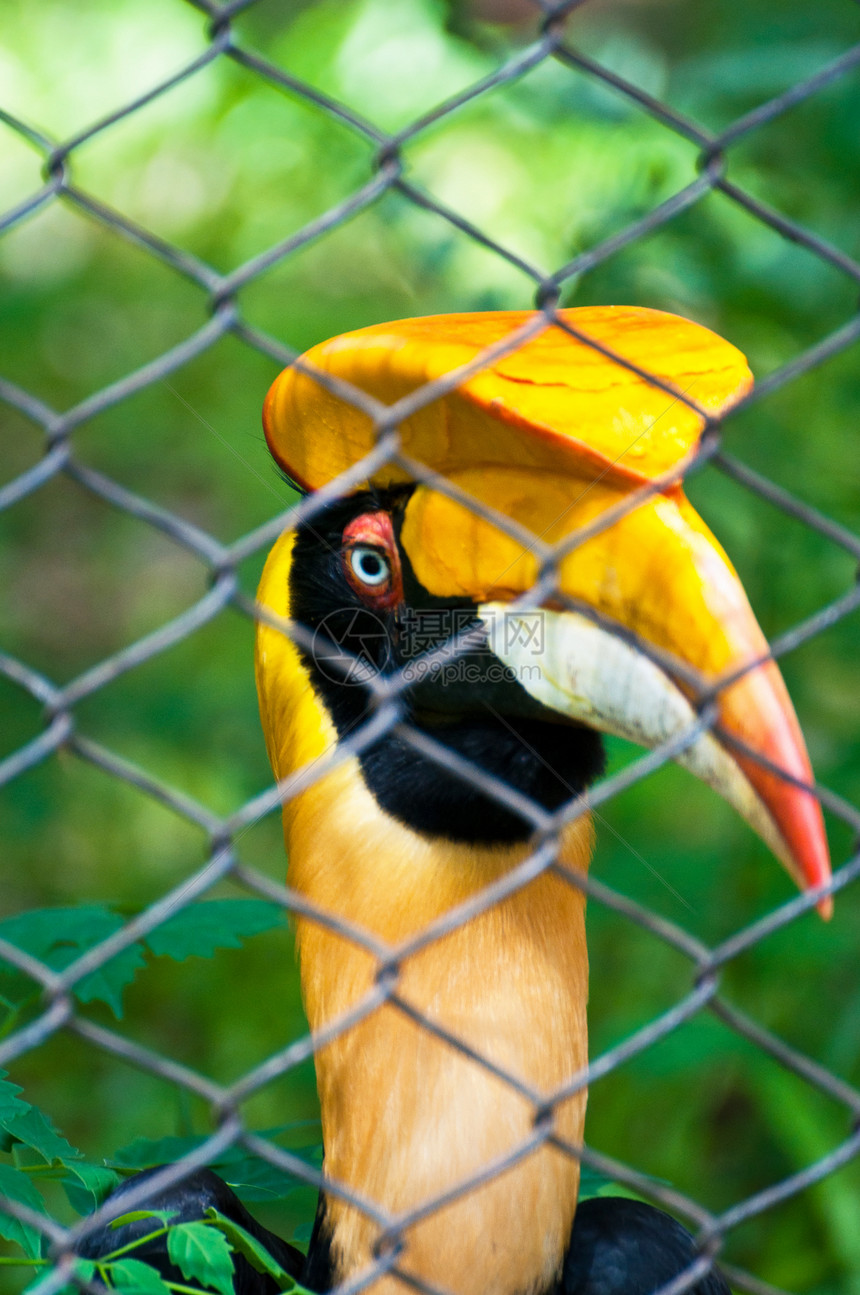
{"x":370,"y":560}
{"x":369,"y":566}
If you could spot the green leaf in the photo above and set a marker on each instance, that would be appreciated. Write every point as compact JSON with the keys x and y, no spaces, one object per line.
{"x":108,"y":984}
{"x":144,"y":1153}
{"x":593,"y":1183}
{"x":16,"y":1186}
{"x":133,"y":1274}
{"x":163,"y":1216}
{"x":253,"y":1250}
{"x":11,"y":1104}
{"x":58,"y":936}
{"x":35,"y":1130}
{"x":202,"y":1254}
{"x":201,"y":929}
{"x":251,"y":1178}
{"x":89,"y":1185}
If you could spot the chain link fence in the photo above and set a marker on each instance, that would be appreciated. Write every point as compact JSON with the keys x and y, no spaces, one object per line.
{"x":57,"y":729}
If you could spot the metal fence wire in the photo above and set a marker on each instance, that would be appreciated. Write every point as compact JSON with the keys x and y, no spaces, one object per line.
{"x":63,"y":733}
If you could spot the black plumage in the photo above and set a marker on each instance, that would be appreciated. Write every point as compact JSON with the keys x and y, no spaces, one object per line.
{"x":618,"y":1246}
{"x":625,"y":1247}
{"x":187,"y":1201}
{"x":468,"y":701}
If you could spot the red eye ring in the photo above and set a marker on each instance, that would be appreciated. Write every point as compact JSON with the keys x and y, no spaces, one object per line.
{"x":370,"y":560}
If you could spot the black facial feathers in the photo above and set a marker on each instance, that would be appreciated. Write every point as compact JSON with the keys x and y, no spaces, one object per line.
{"x":467,"y":701}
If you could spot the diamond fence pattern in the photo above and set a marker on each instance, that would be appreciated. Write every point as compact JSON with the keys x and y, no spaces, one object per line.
{"x":220,"y":301}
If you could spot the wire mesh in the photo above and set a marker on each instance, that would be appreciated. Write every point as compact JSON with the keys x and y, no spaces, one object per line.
{"x":65,"y":719}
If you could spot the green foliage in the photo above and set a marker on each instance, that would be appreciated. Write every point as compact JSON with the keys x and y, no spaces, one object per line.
{"x":37,"y":1152}
{"x":201,"y":1250}
{"x":203,"y":1255}
{"x":133,"y":1275}
{"x":200,"y":930}
{"x":11,"y":1105}
{"x":59,"y":936}
{"x":593,"y":1183}
{"x":252,"y":1178}
{"x":87,"y":1185}
{"x":244,"y":1244}
{"x":18,"y":1187}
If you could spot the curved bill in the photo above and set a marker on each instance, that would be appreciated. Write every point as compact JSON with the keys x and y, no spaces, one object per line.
{"x":598,"y":679}
{"x":662,"y":578}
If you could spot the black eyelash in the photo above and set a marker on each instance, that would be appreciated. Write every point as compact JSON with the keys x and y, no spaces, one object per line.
{"x":290,"y":481}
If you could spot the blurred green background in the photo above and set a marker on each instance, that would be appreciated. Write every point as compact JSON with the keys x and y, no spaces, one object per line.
{"x":225,"y":165}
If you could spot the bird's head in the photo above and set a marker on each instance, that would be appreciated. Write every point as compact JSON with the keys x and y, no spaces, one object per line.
{"x":531,"y":566}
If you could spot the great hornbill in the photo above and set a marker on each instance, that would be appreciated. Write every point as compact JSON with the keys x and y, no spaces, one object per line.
{"x":554,"y":438}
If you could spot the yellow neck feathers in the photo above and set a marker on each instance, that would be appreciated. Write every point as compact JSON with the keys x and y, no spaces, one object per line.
{"x":406,"y":1116}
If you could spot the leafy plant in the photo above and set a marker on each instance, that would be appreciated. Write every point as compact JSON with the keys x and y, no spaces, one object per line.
{"x":33,"y":1151}
{"x":59,"y":936}
{"x":202,"y":1251}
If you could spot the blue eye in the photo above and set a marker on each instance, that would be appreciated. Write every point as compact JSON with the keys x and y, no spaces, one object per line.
{"x":369,"y":566}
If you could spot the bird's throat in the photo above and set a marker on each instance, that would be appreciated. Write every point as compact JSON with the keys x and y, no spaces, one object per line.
{"x":408,"y":1117}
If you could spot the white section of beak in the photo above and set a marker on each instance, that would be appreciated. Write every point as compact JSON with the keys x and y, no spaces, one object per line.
{"x":575,"y":668}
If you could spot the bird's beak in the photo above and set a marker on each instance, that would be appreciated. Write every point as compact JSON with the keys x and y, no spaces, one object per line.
{"x":646,"y":620}
{"x":646,"y":629}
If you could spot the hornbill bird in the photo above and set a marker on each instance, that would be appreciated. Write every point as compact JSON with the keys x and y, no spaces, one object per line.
{"x":557,"y":447}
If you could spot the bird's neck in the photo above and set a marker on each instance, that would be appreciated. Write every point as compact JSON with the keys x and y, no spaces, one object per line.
{"x":407,"y":1117}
